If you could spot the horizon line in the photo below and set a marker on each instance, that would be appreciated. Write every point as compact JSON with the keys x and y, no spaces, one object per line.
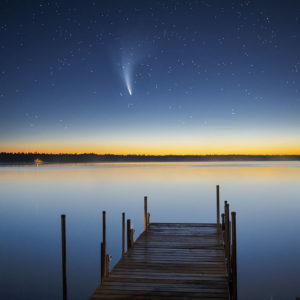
{"x":143,"y":154}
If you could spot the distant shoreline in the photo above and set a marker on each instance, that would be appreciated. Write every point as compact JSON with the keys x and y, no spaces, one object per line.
{"x":31,"y":158}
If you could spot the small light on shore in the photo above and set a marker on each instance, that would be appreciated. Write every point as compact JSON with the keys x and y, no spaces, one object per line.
{"x":38,"y":162}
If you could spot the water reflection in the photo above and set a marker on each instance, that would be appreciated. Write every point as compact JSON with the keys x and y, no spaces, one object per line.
{"x":265,"y":196}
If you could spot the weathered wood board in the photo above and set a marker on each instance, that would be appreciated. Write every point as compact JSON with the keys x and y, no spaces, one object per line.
{"x":173,"y":261}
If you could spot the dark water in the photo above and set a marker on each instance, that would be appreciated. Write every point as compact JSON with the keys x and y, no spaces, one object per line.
{"x":266,"y":197}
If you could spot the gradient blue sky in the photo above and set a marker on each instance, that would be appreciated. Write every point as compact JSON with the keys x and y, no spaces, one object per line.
{"x":206,"y":76}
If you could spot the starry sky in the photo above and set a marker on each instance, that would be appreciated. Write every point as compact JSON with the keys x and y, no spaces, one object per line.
{"x":151,"y":77}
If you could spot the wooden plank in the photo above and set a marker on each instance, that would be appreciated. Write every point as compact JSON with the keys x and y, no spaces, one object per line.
{"x":170,"y":260}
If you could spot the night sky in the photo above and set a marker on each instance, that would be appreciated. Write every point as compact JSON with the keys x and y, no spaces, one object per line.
{"x":153,"y":77}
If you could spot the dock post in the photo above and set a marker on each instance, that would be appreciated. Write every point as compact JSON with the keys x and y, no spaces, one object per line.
{"x":218,"y":207}
{"x":128,"y":234}
{"x":145,"y":214}
{"x":131,"y":237}
{"x":225,"y":228}
{"x":123,"y":234}
{"x":223,"y":221}
{"x":227,"y":250}
{"x":104,"y":228}
{"x":107,"y":260}
{"x":102,"y":259}
{"x":103,"y":247}
{"x":234,"y":265}
{"x":64,"y":255}
{"x":148,"y":219}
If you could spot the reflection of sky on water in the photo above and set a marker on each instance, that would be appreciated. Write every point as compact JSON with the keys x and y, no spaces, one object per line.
{"x":265,"y":196}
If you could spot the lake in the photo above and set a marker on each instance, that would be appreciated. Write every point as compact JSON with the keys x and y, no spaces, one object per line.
{"x":265,"y":195}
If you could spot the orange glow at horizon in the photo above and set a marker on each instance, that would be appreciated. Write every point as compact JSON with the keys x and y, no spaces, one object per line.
{"x":156,"y":149}
{"x":215,"y":140}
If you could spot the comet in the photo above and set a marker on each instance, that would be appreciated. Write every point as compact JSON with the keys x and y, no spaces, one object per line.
{"x":127,"y":74}
{"x":129,"y":61}
{"x":132,"y":53}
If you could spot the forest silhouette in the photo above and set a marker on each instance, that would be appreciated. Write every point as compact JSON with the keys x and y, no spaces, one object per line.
{"x":21,"y":157}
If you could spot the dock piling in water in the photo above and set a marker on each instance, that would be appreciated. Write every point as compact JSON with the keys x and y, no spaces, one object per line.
{"x":123,"y":234}
{"x":102,"y":263}
{"x":64,"y":255}
{"x":223,"y":222}
{"x":145,"y":214}
{"x":218,"y":205}
{"x":131,"y":237}
{"x":104,"y":227}
{"x":103,"y":248}
{"x":227,"y":241}
{"x":148,"y":220}
{"x":128,"y":234}
{"x":225,"y":227}
{"x":234,"y":264}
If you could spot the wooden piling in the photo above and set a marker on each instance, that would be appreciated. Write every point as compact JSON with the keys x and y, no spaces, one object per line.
{"x":102,"y":260}
{"x":218,"y":206}
{"x":223,"y":221}
{"x":64,"y":255}
{"x":145,"y":214}
{"x":227,"y":241}
{"x":131,"y":237}
{"x":104,"y":228}
{"x":233,"y":258}
{"x":148,"y":220}
{"x":103,"y":247}
{"x":128,"y":234}
{"x":225,"y":228}
{"x":123,"y":234}
{"x":107,"y":260}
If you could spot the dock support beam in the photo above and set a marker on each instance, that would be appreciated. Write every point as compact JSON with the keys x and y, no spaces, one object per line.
{"x":233,"y":249}
{"x":103,"y":247}
{"x":64,"y":255}
{"x":223,"y":221}
{"x":227,"y":240}
{"x":145,"y":214}
{"x":148,"y":220}
{"x":128,"y":234}
{"x":123,"y":234}
{"x":104,"y":228}
{"x":218,"y":206}
{"x":225,"y":228}
{"x":131,"y":237}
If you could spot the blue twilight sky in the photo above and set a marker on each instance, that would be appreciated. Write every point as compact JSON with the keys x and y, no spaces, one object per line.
{"x":150,"y":76}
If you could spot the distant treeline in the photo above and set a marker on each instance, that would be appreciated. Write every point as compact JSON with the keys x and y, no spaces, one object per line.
{"x":91,"y":157}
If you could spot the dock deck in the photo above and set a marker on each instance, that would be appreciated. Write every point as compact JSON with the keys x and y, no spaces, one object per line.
{"x":170,"y":260}
{"x":173,"y":260}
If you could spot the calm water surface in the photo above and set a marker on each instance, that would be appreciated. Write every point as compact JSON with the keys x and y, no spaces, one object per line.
{"x":266,"y":197}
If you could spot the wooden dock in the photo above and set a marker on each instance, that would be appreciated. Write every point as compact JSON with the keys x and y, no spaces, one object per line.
{"x":173,"y":261}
